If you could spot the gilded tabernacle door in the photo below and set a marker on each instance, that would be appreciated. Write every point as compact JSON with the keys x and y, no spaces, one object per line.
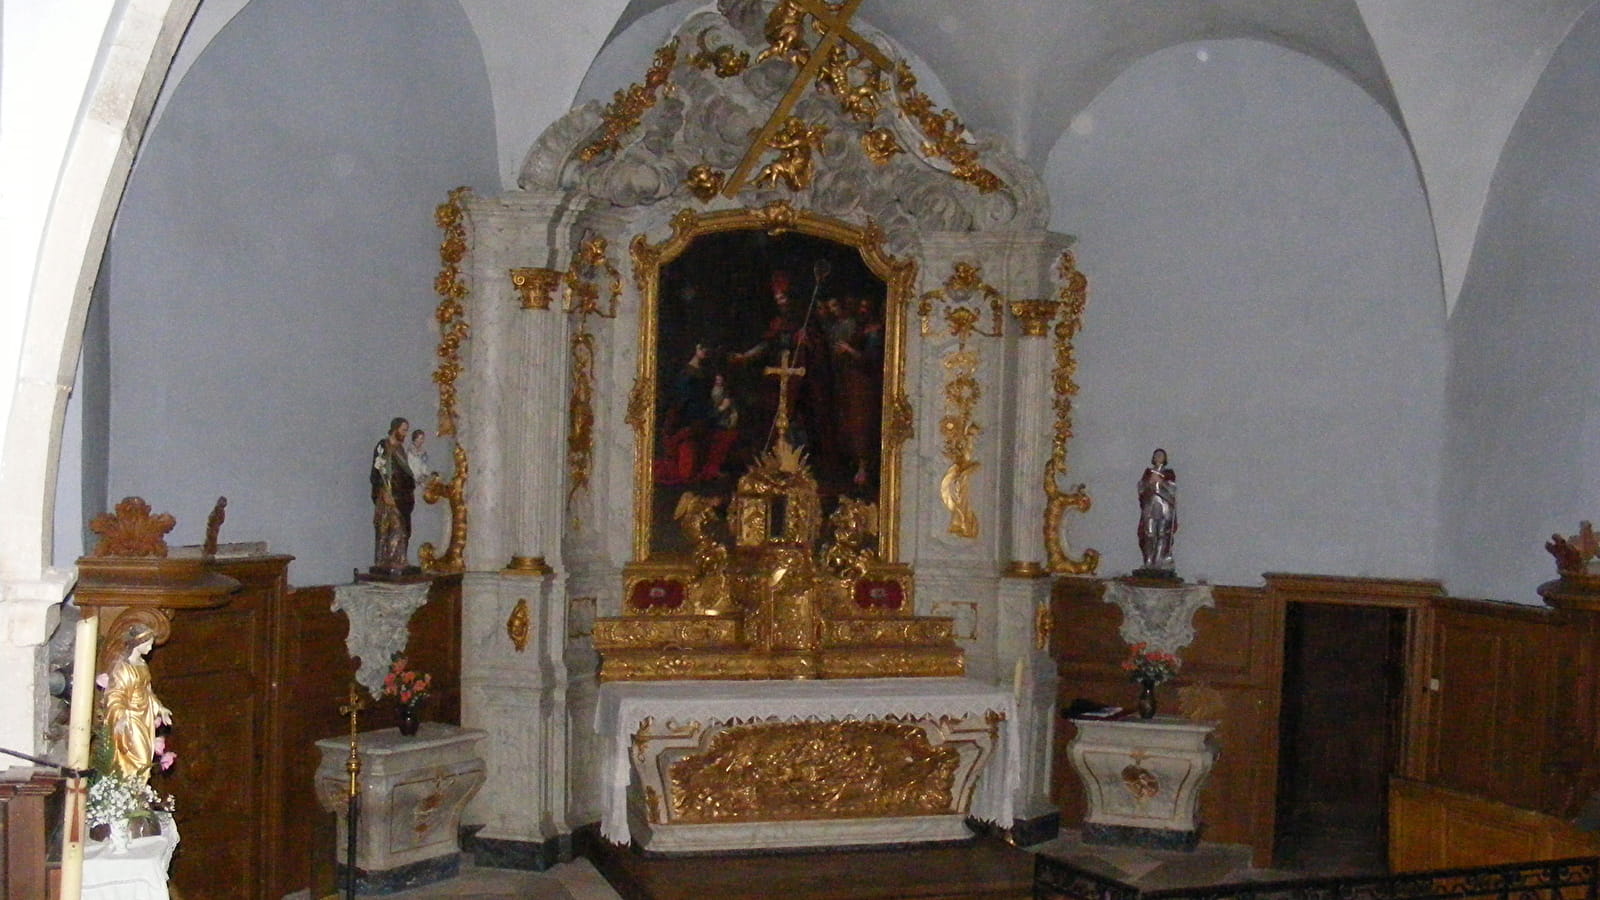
{"x":742,"y":317}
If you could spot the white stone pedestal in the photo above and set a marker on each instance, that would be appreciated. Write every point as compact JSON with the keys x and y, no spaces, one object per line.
{"x":1142,"y":779}
{"x":412,"y":793}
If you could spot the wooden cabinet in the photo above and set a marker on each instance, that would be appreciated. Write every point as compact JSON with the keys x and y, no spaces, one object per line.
{"x":253,"y":685}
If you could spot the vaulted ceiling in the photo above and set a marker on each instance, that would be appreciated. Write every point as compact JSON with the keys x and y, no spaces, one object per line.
{"x":1452,"y":74}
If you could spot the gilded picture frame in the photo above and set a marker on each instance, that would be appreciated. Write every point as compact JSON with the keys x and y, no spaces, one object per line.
{"x":734,"y":299}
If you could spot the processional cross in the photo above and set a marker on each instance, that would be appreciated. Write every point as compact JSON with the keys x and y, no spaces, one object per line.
{"x":834,"y":26}
{"x":784,"y":372}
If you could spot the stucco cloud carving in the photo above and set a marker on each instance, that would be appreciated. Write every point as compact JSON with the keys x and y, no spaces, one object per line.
{"x":698,"y":117}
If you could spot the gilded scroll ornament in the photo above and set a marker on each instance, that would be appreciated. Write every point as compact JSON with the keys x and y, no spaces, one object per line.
{"x":590,"y":271}
{"x":965,"y":298}
{"x":639,"y":403}
{"x":900,"y":422}
{"x":580,"y":415}
{"x":776,"y":217}
{"x":454,"y":491}
{"x":794,"y":143}
{"x":1073,"y":295}
{"x":959,"y":435}
{"x":1044,"y":624}
{"x":518,"y":625}
{"x":628,"y":106}
{"x":944,"y":135}
{"x":536,"y":285}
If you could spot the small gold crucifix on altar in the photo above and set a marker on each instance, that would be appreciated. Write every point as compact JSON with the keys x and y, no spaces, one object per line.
{"x":784,"y":372}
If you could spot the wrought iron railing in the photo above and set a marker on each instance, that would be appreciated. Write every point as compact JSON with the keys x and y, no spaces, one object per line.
{"x":1565,"y":879}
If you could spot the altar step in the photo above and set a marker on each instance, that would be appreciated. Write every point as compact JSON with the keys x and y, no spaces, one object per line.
{"x":988,"y":869}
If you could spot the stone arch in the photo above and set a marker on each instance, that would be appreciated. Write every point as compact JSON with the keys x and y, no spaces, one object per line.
{"x":137,"y":56}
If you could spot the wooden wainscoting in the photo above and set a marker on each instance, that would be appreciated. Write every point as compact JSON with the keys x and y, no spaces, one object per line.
{"x":1508,"y":720}
{"x":253,"y":684}
{"x":1497,"y":717}
{"x":1432,"y":827}
{"x":1234,"y":664}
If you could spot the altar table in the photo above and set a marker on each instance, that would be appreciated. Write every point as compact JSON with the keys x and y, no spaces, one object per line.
{"x":688,"y":764}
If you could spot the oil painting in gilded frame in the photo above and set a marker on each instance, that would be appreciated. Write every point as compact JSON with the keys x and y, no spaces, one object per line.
{"x":731,"y":301}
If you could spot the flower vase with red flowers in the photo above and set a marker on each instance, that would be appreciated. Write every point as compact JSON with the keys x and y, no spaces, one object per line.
{"x":1148,"y":669}
{"x":409,"y":688}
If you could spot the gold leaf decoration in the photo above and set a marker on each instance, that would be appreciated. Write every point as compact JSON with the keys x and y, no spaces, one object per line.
{"x":704,"y":182}
{"x":794,"y":167}
{"x":628,"y":106}
{"x":1073,"y":297}
{"x":851,"y":769}
{"x":944,"y":135}
{"x":518,"y":624}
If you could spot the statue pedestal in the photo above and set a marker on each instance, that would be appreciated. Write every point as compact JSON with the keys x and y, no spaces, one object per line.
{"x":1142,"y":779}
{"x":412,"y":792}
{"x":137,"y":870}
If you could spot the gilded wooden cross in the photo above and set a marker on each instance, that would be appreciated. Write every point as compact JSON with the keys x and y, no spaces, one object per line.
{"x":784,"y":372}
{"x":833,"y":24}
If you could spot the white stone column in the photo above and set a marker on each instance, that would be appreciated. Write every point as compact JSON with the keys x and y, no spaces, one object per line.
{"x":1029,"y":419}
{"x":1034,"y":681}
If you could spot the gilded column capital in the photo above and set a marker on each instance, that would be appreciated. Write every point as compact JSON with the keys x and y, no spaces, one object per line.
{"x":1035,"y":315}
{"x":536,"y":285}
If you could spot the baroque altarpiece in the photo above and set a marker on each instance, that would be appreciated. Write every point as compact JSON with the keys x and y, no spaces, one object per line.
{"x":764,"y":371}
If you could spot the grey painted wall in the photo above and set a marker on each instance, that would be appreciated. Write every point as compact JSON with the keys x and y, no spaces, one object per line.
{"x":1523,"y":459}
{"x":1265,"y":304}
{"x":270,"y":300}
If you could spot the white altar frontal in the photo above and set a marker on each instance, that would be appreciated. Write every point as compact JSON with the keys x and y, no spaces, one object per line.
{"x":705,"y":766}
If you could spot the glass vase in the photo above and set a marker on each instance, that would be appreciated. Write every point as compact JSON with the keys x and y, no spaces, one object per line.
{"x":1147,"y":699}
{"x":410,"y":721}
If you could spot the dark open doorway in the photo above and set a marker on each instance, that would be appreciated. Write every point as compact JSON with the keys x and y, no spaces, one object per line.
{"x":1343,"y":680}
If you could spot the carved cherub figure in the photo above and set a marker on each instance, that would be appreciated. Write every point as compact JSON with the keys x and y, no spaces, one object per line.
{"x":794,"y":166}
{"x":850,"y":551}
